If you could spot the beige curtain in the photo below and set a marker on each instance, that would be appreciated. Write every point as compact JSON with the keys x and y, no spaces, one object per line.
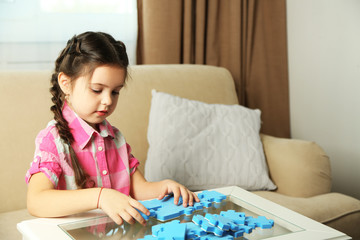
{"x":248,"y":37}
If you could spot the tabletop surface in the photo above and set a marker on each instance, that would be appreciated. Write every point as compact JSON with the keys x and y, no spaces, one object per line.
{"x":96,"y":225}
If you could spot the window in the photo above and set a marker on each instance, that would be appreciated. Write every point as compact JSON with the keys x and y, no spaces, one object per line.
{"x":33,"y":32}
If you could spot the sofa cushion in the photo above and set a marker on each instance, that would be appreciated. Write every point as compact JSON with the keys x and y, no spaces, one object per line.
{"x":204,"y":83}
{"x":295,"y":165}
{"x":204,"y":145}
{"x":333,"y":209}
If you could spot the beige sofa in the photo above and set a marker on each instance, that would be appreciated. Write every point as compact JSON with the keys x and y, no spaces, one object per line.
{"x":300,"y":169}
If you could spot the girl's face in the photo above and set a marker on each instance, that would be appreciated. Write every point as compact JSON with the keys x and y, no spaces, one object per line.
{"x":95,"y":99}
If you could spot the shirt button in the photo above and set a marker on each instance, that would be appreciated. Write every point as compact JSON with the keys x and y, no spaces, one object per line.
{"x":104,"y":172}
{"x":100,"y":148}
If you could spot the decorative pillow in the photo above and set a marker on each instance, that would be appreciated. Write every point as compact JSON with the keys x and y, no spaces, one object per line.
{"x":204,"y":146}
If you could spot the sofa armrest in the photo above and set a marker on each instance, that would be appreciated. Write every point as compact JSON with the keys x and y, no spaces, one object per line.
{"x":299,"y":168}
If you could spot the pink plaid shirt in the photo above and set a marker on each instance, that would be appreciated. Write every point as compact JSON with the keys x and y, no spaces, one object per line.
{"x":104,"y":155}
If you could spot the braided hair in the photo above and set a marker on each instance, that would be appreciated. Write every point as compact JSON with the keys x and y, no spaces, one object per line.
{"x":82,"y":54}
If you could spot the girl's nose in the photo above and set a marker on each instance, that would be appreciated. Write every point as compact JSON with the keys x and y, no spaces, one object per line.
{"x":106,"y":100}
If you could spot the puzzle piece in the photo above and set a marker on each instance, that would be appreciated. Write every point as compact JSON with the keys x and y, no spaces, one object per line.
{"x":212,"y":196}
{"x":206,"y":226}
{"x":152,"y":204}
{"x":146,"y":217}
{"x":260,"y":221}
{"x":236,"y":217}
{"x":156,"y":228}
{"x":237,"y":234}
{"x":236,"y":226}
{"x":245,"y":228}
{"x":173,"y":230}
{"x":203,"y":204}
{"x":222,"y":222}
{"x":170,"y":212}
{"x":165,"y":209}
{"x":193,"y":230}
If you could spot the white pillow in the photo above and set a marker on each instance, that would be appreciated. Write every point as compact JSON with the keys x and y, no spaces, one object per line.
{"x":204,"y":146}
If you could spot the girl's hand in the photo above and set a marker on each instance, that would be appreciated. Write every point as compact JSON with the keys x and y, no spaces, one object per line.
{"x":119,"y":207}
{"x":169,"y":186}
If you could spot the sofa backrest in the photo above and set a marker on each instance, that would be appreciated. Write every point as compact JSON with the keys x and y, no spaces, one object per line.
{"x":25,"y":105}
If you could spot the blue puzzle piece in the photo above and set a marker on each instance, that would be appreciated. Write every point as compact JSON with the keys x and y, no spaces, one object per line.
{"x":170,"y":211}
{"x":212,"y":196}
{"x":193,"y":230}
{"x":156,"y":228}
{"x":222,"y":222}
{"x":173,"y":230}
{"x":237,"y":234}
{"x":189,"y":210}
{"x":164,"y":214}
{"x":260,"y":221}
{"x":206,"y":226}
{"x":152,"y":204}
{"x":146,"y":217}
{"x":198,"y":205}
{"x":165,"y":209}
{"x":236,"y":217}
{"x":205,"y":203}
{"x":245,"y":228}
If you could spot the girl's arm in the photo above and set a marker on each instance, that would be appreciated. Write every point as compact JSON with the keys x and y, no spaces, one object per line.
{"x":142,"y":189}
{"x":45,"y":201}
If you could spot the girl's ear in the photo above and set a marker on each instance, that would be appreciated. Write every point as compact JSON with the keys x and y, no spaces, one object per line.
{"x":64,"y":83}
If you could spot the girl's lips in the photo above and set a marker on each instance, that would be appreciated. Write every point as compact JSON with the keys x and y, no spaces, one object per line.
{"x":101,"y":113}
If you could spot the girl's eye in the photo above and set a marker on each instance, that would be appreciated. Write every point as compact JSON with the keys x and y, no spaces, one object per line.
{"x":96,"y":91}
{"x":115,"y":93}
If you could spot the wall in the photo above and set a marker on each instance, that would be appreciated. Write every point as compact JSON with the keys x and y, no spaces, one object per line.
{"x":324,"y":73}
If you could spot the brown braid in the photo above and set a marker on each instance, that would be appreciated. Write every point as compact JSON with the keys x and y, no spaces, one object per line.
{"x":64,"y":131}
{"x":81,"y":56}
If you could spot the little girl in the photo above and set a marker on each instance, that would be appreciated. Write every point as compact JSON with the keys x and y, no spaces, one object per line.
{"x":81,"y":162}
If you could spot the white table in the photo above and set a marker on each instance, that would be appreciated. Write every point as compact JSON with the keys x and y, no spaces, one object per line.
{"x":288,"y":224}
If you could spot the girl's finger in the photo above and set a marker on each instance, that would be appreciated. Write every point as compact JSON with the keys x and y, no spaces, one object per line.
{"x":138,"y":206}
{"x":191,"y":198}
{"x":127,"y":217}
{"x":197,"y":199}
{"x":177,"y":195}
{"x":185,"y":196}
{"x":137,"y":216}
{"x":116,"y":218}
{"x":162,"y":195}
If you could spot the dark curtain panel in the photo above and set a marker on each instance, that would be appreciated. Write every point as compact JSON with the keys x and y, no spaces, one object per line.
{"x":248,"y":37}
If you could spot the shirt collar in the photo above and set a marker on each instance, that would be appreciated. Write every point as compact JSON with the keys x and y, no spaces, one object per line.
{"x":81,"y":130}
